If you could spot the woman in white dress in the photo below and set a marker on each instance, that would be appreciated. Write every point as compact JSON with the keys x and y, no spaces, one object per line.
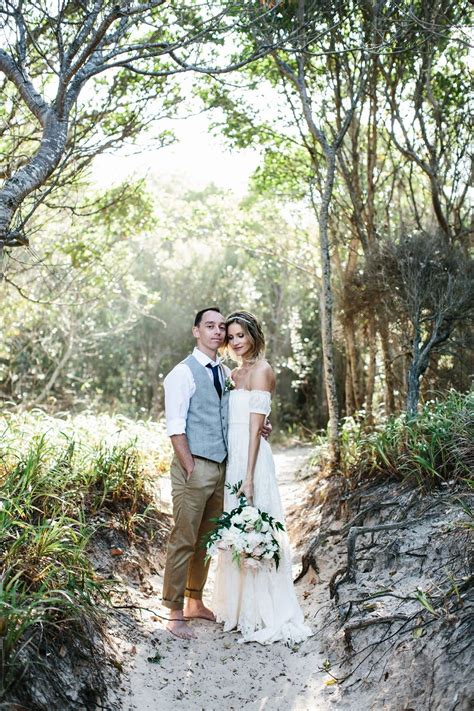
{"x":259,"y":602}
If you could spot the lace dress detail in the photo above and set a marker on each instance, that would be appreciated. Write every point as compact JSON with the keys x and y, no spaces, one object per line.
{"x":260,"y":603}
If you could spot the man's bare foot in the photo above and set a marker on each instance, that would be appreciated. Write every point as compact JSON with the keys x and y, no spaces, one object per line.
{"x":196,"y":608}
{"x":178,"y":626}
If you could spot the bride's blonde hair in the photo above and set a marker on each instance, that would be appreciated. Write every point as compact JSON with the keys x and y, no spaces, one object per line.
{"x":252,"y":328}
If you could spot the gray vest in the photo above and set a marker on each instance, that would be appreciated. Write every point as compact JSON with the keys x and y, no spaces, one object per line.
{"x":206,"y":423}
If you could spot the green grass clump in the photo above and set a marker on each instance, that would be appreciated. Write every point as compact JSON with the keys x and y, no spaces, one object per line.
{"x":436,"y":446}
{"x":55,"y":475}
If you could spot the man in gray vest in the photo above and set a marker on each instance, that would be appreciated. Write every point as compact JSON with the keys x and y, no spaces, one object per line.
{"x":196,"y":403}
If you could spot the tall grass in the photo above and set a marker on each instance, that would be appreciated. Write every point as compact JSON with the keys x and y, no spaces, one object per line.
{"x":54,"y":476}
{"x":437,"y":446}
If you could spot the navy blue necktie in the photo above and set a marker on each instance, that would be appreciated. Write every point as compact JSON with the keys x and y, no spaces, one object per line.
{"x":215,"y":375}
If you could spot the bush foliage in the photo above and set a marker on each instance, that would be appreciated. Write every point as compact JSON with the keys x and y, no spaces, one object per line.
{"x":436,"y":446}
{"x":55,"y":475}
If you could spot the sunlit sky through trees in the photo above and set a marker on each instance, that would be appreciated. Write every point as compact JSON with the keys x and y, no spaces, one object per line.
{"x":196,"y":159}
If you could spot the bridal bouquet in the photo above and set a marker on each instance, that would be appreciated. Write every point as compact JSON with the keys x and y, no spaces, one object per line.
{"x":248,"y":533}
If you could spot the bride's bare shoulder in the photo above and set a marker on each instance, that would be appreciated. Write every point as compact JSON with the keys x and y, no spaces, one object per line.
{"x":262,"y":376}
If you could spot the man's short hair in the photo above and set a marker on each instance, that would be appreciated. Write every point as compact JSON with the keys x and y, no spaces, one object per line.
{"x":198,"y":317}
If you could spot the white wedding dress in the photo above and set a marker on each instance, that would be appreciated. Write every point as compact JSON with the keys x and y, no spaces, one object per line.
{"x":261,"y":603}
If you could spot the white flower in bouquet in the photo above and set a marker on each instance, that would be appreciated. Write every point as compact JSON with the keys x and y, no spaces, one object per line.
{"x":229,"y":537}
{"x":248,"y":533}
{"x":250,"y":513}
{"x":252,"y":541}
{"x":250,"y":516}
{"x":233,"y":532}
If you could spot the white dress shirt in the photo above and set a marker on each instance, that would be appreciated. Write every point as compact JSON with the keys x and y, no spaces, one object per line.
{"x":179,"y":388}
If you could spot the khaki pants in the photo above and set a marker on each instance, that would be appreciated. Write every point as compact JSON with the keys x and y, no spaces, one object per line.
{"x":195,"y":502}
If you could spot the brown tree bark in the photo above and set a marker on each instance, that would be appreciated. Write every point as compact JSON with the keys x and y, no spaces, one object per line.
{"x":352,"y":367}
{"x":389,"y":389}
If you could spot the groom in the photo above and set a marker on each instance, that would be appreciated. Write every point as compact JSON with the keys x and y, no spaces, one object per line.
{"x":196,"y":404}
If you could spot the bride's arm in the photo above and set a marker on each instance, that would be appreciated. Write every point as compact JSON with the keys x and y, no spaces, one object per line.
{"x":256,"y":425}
{"x":263,"y":379}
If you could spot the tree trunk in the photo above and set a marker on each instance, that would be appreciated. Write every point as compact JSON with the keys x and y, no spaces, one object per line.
{"x":348,"y":392}
{"x":330,"y":149}
{"x":369,"y":392}
{"x":413,"y":372}
{"x":326,"y":309}
{"x":413,"y":389}
{"x":55,"y":374}
{"x":31,"y":176}
{"x":389,"y":391}
{"x":421,"y":354}
{"x":40,"y":166}
{"x":351,"y":353}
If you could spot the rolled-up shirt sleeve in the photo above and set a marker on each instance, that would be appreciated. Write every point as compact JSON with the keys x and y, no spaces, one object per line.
{"x":179,"y":388}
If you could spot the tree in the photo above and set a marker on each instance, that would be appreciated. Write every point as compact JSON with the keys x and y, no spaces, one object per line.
{"x":125,"y":53}
{"x":430,"y":284}
{"x":428,"y":116}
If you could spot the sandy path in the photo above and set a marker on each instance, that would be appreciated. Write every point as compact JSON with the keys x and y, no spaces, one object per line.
{"x":216,"y":672}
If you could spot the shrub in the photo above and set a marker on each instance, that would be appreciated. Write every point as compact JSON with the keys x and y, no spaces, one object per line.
{"x":436,"y":446}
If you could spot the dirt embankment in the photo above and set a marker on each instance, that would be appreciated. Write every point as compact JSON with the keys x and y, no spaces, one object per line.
{"x":395,"y":569}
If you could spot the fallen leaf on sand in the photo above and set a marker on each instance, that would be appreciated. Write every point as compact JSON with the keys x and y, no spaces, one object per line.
{"x":330,"y":682}
{"x":156,"y":659}
{"x":116,"y":551}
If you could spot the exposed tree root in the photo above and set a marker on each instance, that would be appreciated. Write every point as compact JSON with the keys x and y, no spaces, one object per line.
{"x":360,"y":531}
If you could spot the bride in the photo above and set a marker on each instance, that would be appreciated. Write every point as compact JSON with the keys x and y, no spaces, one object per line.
{"x":261,"y":603}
